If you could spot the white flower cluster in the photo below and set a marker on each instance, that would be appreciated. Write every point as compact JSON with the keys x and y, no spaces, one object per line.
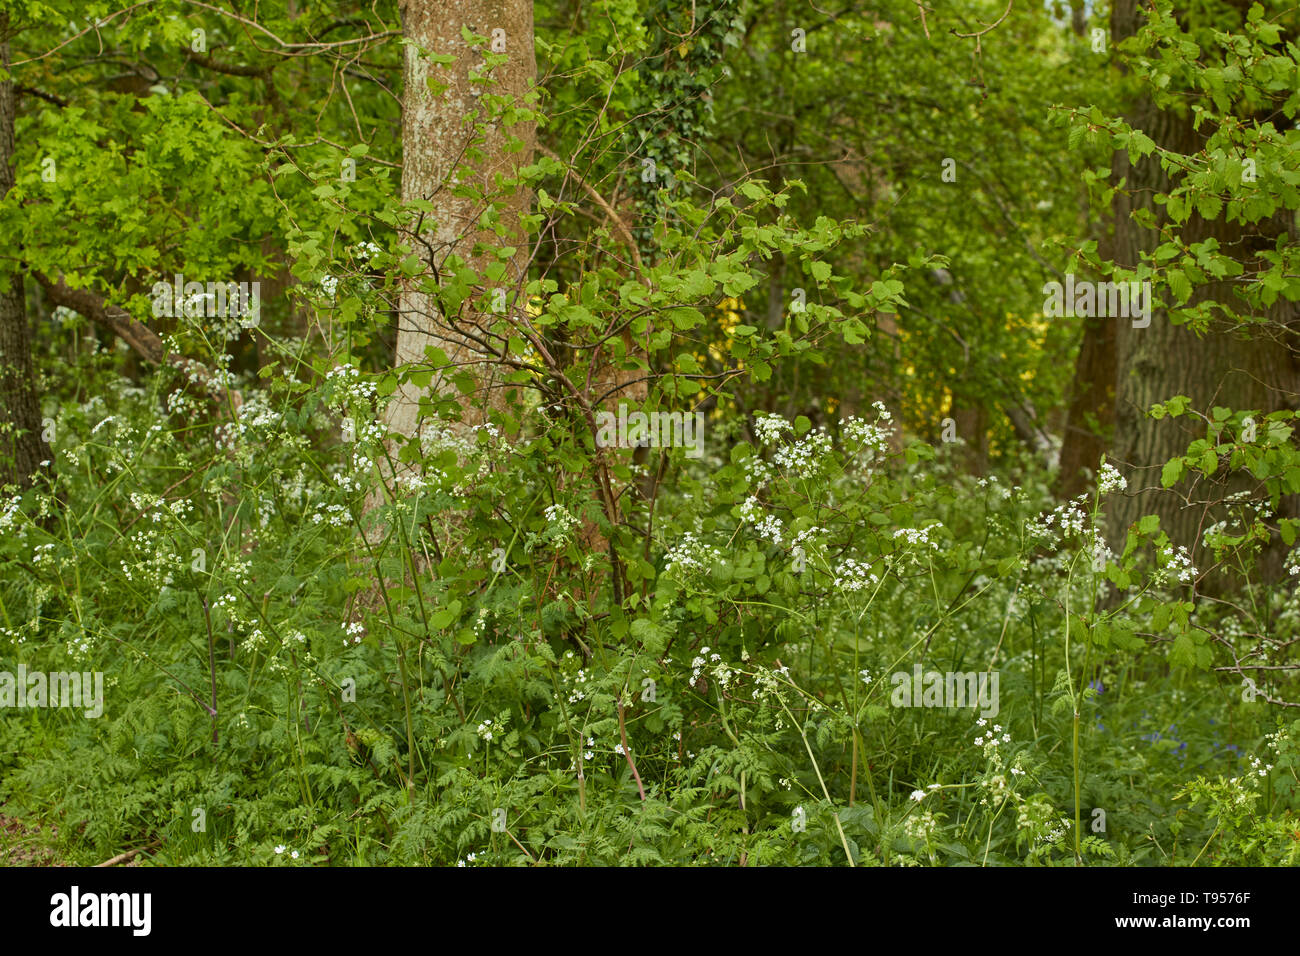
{"x":990,"y":739}
{"x":146,"y":503}
{"x":354,"y":631}
{"x":336,"y":516}
{"x":365,"y":251}
{"x":769,"y":427}
{"x":255,"y":641}
{"x":559,"y":524}
{"x":806,"y":538}
{"x":1179,"y":564}
{"x":852,"y":576}
{"x":9,"y":511}
{"x":699,"y":663}
{"x":767,"y":526}
{"x":411,"y":483}
{"x":805,"y":457}
{"x":353,"y":482}
{"x":155,"y":559}
{"x":757,"y":472}
{"x":579,"y":680}
{"x":1099,"y":553}
{"x":917,"y":537}
{"x":181,"y":404}
{"x":347,"y":389}
{"x":435,"y":439}
{"x":1040,"y":819}
{"x":691,"y":554}
{"x":1110,"y":479}
{"x":1258,"y":766}
{"x":238,"y":570}
{"x":1071,"y":518}
{"x":872,"y":438}
{"x":921,"y":826}
{"x":997,"y":787}
{"x":486,"y":730}
{"x":765,"y":684}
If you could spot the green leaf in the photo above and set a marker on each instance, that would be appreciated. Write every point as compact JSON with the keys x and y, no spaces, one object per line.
{"x":440,"y":620}
{"x":685,"y":318}
{"x":1172,"y":472}
{"x":652,"y":638}
{"x":1183,"y":652}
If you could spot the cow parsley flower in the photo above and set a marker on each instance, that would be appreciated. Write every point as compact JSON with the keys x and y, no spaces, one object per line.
{"x":853,"y":576}
{"x":1110,"y":479}
{"x":559,"y":524}
{"x":691,"y":555}
{"x":768,"y":428}
{"x":806,"y":457}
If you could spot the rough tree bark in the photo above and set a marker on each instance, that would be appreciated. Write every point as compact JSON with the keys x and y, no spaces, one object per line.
{"x":22,"y":449}
{"x":1223,"y":367}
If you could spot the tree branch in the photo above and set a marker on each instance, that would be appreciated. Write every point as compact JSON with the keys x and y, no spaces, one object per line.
{"x":143,"y":340}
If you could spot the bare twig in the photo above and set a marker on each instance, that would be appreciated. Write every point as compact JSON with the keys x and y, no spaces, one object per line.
{"x":988,"y":28}
{"x":920,"y":5}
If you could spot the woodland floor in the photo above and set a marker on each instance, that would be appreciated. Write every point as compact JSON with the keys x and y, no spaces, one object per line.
{"x":24,"y":845}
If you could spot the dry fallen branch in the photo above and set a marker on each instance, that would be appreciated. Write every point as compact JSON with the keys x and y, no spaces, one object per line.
{"x":123,"y":857}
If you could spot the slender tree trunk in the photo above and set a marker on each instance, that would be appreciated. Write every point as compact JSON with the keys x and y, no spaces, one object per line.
{"x":438,"y":138}
{"x":22,"y":449}
{"x":1090,"y":421}
{"x":972,"y":422}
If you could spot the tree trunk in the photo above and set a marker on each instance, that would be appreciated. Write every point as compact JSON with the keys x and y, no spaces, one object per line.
{"x":1223,"y":367}
{"x":22,"y":449}
{"x":437,"y":130}
{"x":1090,"y":421}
